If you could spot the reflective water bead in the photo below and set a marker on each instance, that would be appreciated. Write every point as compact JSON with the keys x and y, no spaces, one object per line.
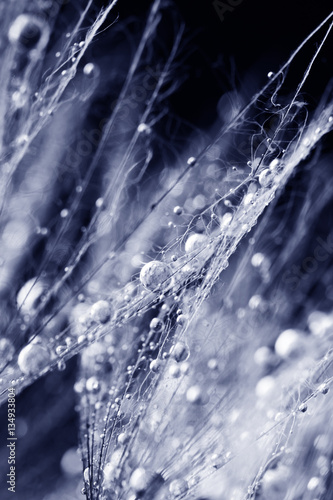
{"x":174,"y":371}
{"x":177,"y":210}
{"x":156,"y":324}
{"x":86,"y":475}
{"x":143,"y":128}
{"x":123,"y":438}
{"x":195,"y":242}
{"x":139,"y":480}
{"x":191,"y":161}
{"x":93,"y":385}
{"x":180,"y":352}
{"x":29,"y":295}
{"x":28,"y":32}
{"x":155,"y":274}
{"x":100,"y":311}
{"x":194,"y":394}
{"x":290,"y":343}
{"x":89,"y":69}
{"x":178,"y":487}
{"x":33,"y":358}
{"x":266,"y":177}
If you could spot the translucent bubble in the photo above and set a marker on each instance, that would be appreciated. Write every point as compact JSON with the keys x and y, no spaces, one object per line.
{"x":6,"y":352}
{"x":178,"y":487}
{"x":143,"y":128}
{"x":177,"y":210}
{"x":194,"y":394}
{"x":71,"y":463}
{"x":16,"y":234}
{"x":195,"y":242}
{"x":93,"y":385}
{"x":174,"y":371}
{"x":212,"y":364}
{"x":303,"y":407}
{"x":156,"y":324}
{"x":91,"y":354}
{"x":155,"y":365}
{"x":61,"y":365}
{"x":191,"y":161}
{"x":257,"y":259}
{"x":264,"y":356}
{"x":89,"y":69}
{"x":139,"y":480}
{"x":155,"y":274}
{"x":100,"y":311}
{"x":33,"y":358}
{"x":123,"y":438}
{"x":29,"y":295}
{"x":226,"y":220}
{"x":274,"y":483}
{"x":180,"y":352}
{"x":266,"y":177}
{"x":314,"y":483}
{"x":217,"y":461}
{"x":290,"y":343}
{"x":28,"y":32}
{"x":86,"y":475}
{"x":266,"y":387}
{"x":320,"y":323}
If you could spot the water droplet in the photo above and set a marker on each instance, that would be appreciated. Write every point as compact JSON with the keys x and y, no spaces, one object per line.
{"x":195,"y":242}
{"x":100,"y":311}
{"x":155,"y":274}
{"x":180,"y":352}
{"x":139,"y":480}
{"x":177,"y":210}
{"x":33,"y":358}
{"x":28,"y":32}
{"x":89,"y":69}
{"x":178,"y":487}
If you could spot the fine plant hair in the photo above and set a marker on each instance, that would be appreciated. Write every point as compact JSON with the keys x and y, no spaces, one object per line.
{"x":164,"y":258}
